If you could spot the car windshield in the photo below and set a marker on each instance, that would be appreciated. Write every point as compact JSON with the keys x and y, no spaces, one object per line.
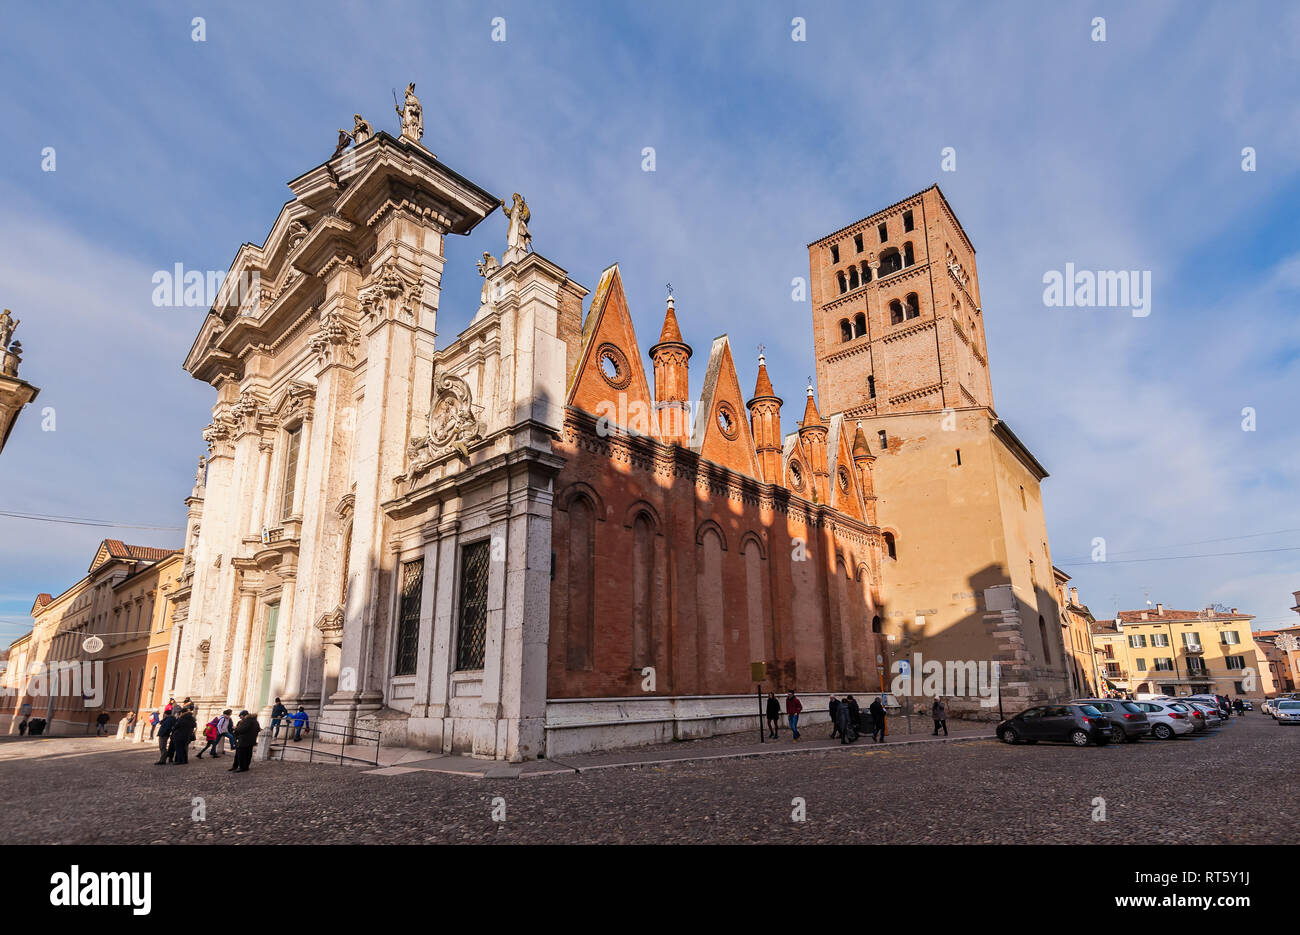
{"x":1177,"y":706}
{"x":1089,"y":709}
{"x":1289,"y":706}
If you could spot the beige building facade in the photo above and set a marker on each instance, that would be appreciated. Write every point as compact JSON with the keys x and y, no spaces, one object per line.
{"x":1182,"y":652}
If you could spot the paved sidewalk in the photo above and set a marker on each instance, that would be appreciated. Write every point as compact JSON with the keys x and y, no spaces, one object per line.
{"x":395,"y":761}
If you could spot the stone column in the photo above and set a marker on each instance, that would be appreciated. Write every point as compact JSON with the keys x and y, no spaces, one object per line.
{"x":283,"y":637}
{"x":239,"y":647}
{"x":496,"y":644}
{"x":258,"y":518}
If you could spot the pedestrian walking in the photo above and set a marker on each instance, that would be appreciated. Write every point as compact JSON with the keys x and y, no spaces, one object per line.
{"x":22,"y":727}
{"x":841,"y":722}
{"x":246,"y":732}
{"x":793,"y":706}
{"x":299,"y":723}
{"x":212,"y":737}
{"x":877,"y":721}
{"x":165,"y":727}
{"x":171,"y":705}
{"x":834,"y":710}
{"x":130,"y":724}
{"x":101,"y":724}
{"x":153,"y":723}
{"x":278,"y":713}
{"x":225,"y":725}
{"x":854,"y":713}
{"x":182,"y":736}
{"x":773,"y":714}
{"x":939,"y":711}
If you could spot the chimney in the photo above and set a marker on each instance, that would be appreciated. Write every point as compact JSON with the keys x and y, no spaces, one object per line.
{"x":1074,"y":595}
{"x":1160,"y":610}
{"x":1234,"y":610}
{"x":1144,"y":615}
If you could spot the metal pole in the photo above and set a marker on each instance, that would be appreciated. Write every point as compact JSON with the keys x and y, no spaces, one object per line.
{"x":762,"y":734}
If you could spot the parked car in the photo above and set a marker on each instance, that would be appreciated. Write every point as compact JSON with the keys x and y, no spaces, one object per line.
{"x":1126,"y":717}
{"x":1288,"y":712}
{"x":1196,"y":715}
{"x":1218,"y":702}
{"x":1168,"y":719}
{"x":1213,"y":718}
{"x":1079,"y":724}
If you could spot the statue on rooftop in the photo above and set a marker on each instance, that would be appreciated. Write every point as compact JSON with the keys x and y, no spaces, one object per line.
{"x":412,"y":115}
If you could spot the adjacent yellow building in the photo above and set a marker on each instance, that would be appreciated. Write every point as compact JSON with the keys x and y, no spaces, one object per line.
{"x":1181,"y":652}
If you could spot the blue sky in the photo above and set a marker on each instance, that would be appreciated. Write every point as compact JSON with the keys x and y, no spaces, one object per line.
{"x":1117,"y":155}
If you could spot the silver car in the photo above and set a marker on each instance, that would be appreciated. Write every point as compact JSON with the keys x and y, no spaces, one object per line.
{"x":1288,"y":711}
{"x":1168,"y":720}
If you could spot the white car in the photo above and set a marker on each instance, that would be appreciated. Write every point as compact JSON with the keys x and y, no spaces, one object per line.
{"x":1167,"y":720}
{"x":1288,"y":711}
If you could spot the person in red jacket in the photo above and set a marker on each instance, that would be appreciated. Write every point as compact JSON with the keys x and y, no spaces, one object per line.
{"x":793,"y":706}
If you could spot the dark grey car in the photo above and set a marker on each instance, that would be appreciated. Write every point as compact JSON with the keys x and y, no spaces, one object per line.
{"x":1127,"y":718}
{"x":1079,"y":724}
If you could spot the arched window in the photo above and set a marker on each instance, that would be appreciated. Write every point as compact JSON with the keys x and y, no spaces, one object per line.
{"x":891,"y":548}
{"x":913,"y":306}
{"x":895,"y":312}
{"x":859,"y":324}
{"x":853,"y":277}
{"x":582,"y":538}
{"x":1042,"y":635}
{"x":844,"y":286}
{"x":890,"y":261}
{"x":643,"y":560}
{"x":153,"y":686}
{"x":866,"y":272}
{"x":875,"y":624}
{"x":908,"y":256}
{"x":846,"y":330}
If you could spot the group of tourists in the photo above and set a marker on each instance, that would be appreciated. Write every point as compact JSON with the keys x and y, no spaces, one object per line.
{"x":177,"y":728}
{"x":845,"y":715}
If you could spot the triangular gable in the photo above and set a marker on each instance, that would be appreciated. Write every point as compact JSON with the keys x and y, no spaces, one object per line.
{"x":840,"y":454}
{"x":722,"y":403}
{"x":609,"y":379}
{"x":793,"y":450}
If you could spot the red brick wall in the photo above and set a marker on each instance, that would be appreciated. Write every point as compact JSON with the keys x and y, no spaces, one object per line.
{"x":701,"y":638}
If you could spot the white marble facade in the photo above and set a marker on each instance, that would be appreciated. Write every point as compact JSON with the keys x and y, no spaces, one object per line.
{"x":347,"y":443}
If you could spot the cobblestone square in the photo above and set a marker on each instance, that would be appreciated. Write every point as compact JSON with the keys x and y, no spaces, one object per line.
{"x":1233,"y":785}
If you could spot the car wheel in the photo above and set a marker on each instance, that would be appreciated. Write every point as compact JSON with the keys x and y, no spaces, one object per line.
{"x":1118,"y":735}
{"x":1009,"y":735}
{"x":1163,"y":732}
{"x":1080,"y":738}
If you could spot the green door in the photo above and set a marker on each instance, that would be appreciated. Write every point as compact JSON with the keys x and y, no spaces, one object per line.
{"x":268,"y":654}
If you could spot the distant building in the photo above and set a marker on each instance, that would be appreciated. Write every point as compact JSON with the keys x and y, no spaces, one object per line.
{"x":1181,"y":652}
{"x":116,"y":603}
{"x":1076,"y":635}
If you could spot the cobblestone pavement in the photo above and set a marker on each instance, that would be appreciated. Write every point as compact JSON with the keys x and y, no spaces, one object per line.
{"x":1233,"y":785}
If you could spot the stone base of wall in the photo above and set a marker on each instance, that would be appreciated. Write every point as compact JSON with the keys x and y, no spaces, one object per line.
{"x":589,"y":725}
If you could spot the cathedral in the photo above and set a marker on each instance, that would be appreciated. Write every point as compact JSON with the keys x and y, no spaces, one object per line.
{"x":530,"y":541}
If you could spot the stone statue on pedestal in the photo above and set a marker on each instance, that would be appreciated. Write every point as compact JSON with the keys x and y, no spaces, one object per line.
{"x":487,"y":267}
{"x":518,"y":240}
{"x":7,"y":325}
{"x":361,"y":129}
{"x":412,"y":115}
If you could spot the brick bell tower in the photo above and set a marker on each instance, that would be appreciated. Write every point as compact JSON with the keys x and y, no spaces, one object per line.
{"x":897,"y":320}
{"x":898,"y":335}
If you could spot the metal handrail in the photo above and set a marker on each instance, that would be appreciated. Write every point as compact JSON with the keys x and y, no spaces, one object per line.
{"x":345,"y":733}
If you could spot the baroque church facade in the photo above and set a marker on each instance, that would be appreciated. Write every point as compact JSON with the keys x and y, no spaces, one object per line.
{"x":524,"y":542}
